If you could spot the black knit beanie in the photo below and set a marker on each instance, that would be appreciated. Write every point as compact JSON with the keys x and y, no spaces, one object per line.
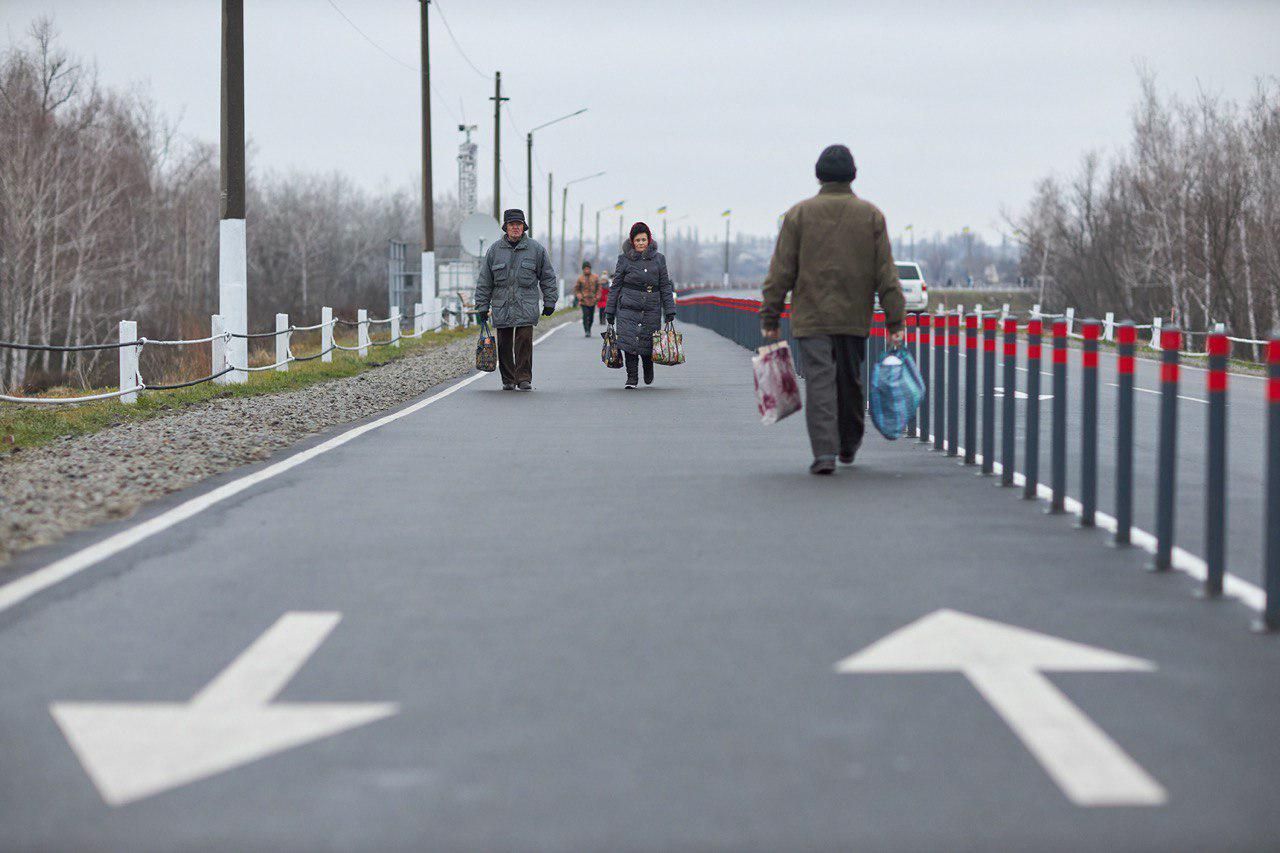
{"x":835,"y":164}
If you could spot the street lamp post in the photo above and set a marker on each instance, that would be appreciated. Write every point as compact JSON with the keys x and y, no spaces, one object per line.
{"x":528,"y":154}
{"x":728,"y":217}
{"x":564,"y":211}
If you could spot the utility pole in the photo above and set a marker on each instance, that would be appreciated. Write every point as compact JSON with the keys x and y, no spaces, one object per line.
{"x":597,"y":234}
{"x":528,"y":177}
{"x":497,"y":144}
{"x":233,"y":262}
{"x":727,"y":220}
{"x":564,"y":214}
{"x":550,"y":221}
{"x":428,"y":277}
{"x":582,"y":249}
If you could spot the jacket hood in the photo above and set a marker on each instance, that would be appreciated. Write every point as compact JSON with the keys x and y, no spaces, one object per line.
{"x":649,"y":252}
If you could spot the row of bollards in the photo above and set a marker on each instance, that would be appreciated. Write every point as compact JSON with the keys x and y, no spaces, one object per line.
{"x":934,"y":339}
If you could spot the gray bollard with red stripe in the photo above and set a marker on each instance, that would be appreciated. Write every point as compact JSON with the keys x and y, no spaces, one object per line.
{"x":1127,"y":337}
{"x":1031,"y":464}
{"x":1270,"y":620}
{"x":1215,"y":522}
{"x":1010,"y":383}
{"x":925,"y":375}
{"x":1167,"y":453}
{"x":1058,"y":441}
{"x":953,"y":384}
{"x":970,"y":389}
{"x":910,"y":328}
{"x":1090,"y":330}
{"x":989,"y":394}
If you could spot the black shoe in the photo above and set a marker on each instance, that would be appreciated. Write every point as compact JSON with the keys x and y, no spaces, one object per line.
{"x":524,"y":385}
{"x":847,"y":458}
{"x":631,"y":383}
{"x":508,"y":386}
{"x":648,"y":373}
{"x":823,"y":466}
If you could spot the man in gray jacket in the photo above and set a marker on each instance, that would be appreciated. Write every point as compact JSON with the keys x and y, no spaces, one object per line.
{"x":512,"y":273}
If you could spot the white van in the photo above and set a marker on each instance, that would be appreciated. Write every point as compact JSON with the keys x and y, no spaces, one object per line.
{"x":913,"y":285}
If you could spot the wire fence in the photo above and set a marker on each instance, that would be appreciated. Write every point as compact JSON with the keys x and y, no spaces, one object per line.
{"x":131,"y":348}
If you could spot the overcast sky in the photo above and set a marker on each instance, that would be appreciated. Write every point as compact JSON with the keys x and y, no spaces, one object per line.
{"x":953,"y":110}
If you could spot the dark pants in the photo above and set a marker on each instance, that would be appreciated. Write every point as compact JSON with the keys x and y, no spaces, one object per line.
{"x":834,"y":405}
{"x":633,"y":361}
{"x":515,"y":354}
{"x":588,"y":315}
{"x":602,"y":312}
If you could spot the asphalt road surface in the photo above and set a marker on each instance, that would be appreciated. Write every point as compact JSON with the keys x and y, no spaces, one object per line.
{"x":587,"y":618}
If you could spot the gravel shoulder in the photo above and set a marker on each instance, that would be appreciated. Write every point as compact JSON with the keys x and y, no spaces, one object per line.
{"x":77,"y":482}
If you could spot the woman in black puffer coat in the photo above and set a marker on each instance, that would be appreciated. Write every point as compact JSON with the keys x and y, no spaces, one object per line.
{"x":640,"y":299}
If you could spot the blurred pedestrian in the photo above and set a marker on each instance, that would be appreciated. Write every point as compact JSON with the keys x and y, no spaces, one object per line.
{"x":833,"y":258}
{"x":587,"y":293}
{"x":515,"y":272}
{"x":604,"y":293}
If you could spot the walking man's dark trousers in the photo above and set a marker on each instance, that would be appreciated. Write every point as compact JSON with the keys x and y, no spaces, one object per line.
{"x":835,"y":402}
{"x":515,"y":354}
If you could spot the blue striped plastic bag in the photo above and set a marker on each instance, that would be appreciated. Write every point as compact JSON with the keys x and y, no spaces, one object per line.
{"x":895,"y":393}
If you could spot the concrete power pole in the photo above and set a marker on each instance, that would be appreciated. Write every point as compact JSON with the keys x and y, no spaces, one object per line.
{"x":550,"y":221}
{"x":582,"y":247}
{"x":233,"y":262}
{"x":727,"y":220}
{"x":497,"y":144}
{"x":428,"y":278}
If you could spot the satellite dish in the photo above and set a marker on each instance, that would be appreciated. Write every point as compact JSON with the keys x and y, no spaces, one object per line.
{"x":477,"y":232}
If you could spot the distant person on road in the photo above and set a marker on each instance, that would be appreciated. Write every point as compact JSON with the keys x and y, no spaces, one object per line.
{"x":513,"y":272}
{"x":642,"y":298}
{"x":587,"y":292}
{"x":604,"y":294}
{"x":833,"y":257}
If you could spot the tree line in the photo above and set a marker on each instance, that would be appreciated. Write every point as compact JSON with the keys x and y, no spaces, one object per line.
{"x":1183,"y":223}
{"x":107,"y":213}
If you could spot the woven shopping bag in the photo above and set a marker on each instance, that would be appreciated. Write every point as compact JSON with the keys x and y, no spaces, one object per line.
{"x":777,"y":389}
{"x":610,"y":352}
{"x":486,"y":350}
{"x":896,"y":392}
{"x":668,"y":346}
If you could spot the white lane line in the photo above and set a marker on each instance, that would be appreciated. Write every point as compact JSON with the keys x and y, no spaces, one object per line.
{"x":19,"y":590}
{"x":1157,"y":393}
{"x":1234,"y":586}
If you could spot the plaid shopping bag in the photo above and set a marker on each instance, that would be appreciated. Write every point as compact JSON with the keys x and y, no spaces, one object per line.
{"x":668,"y":346}
{"x":486,"y":350}
{"x":896,"y":392}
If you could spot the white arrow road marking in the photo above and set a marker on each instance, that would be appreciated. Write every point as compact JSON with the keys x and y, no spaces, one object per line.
{"x":134,"y":750}
{"x":1004,"y":664}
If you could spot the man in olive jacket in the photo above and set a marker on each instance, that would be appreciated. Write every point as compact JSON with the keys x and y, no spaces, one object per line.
{"x":512,"y":273}
{"x":833,"y":257}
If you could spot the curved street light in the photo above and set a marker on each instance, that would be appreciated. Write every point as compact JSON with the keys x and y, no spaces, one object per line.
{"x":564,"y":212}
{"x":529,"y":166}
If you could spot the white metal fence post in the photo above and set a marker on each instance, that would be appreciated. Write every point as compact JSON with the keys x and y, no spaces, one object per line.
{"x":128,"y":361}
{"x":1156,"y":324}
{"x":218,"y":349}
{"x":362,"y":331}
{"x":1071,"y":321}
{"x":419,"y":321}
{"x":1109,"y":326}
{"x":1035,"y":311}
{"x":395,"y":325}
{"x":282,"y":342}
{"x":326,"y":333}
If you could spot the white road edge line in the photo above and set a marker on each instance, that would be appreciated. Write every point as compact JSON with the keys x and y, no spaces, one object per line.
{"x":19,"y":590}
{"x":1246,"y":592}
